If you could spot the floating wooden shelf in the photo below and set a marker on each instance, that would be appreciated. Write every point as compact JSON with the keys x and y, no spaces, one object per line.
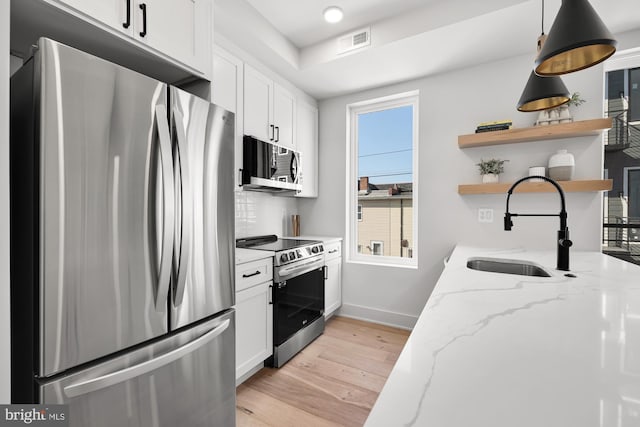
{"x":537,"y":187}
{"x":536,"y":133}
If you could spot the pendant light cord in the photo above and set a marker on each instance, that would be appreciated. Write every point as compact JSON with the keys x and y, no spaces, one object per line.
{"x":542,"y":17}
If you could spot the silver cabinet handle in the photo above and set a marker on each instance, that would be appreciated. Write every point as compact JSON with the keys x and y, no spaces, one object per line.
{"x":186,"y":218}
{"x":104,"y":381}
{"x":166,"y":158}
{"x":333,"y":251}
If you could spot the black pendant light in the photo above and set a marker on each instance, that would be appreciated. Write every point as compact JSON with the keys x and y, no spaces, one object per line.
{"x":543,"y":93}
{"x":577,"y":40}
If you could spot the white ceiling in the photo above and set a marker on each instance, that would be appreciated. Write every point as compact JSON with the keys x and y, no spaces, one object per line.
{"x":302,"y":21}
{"x":409,"y":38}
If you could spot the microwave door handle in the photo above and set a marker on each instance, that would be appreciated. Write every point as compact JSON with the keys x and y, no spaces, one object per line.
{"x":164,"y":275}
{"x":293,"y":167}
{"x":113,"y":378}
{"x":186,"y":217}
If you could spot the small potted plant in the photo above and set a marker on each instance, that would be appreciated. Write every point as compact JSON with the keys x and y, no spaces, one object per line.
{"x":560,"y":114}
{"x":490,"y":169}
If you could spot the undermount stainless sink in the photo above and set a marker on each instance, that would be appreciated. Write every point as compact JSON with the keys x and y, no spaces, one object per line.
{"x":507,"y":266}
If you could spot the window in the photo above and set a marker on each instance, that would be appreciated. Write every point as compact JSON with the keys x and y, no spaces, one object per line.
{"x":382,"y":175}
{"x":621,"y":216}
{"x":377,"y":248}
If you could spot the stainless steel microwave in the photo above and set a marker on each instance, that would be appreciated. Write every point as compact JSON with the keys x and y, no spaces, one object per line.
{"x":269,"y":167}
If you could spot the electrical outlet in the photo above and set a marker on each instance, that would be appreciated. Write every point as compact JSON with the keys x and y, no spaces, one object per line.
{"x":485,"y":215}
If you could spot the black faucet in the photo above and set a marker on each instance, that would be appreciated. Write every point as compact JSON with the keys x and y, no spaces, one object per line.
{"x":563,"y":234}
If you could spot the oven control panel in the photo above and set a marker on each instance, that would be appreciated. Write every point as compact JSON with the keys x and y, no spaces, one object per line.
{"x":298,"y":254}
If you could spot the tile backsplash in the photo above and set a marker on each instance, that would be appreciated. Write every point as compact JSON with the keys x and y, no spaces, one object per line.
{"x":263,"y":213}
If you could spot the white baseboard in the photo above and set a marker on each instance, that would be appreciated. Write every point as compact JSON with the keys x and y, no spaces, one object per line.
{"x":383,"y":317}
{"x":242,"y":378}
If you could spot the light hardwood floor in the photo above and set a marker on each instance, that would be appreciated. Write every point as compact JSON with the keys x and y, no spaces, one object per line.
{"x":333,"y":382}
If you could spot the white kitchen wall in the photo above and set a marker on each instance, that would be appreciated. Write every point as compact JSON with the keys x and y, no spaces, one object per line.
{"x":263,"y":213}
{"x":5,"y":330}
{"x":452,"y":104}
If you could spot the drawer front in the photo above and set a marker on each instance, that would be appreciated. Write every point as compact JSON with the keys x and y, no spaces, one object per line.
{"x":252,"y":273}
{"x":332,"y":250}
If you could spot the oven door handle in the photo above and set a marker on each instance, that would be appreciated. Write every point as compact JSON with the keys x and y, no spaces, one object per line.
{"x":300,"y":268}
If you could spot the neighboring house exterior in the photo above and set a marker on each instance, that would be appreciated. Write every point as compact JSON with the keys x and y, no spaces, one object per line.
{"x":622,"y":165}
{"x":385,"y":219}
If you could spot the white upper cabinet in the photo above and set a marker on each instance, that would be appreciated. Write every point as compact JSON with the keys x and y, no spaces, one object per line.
{"x":227,"y":92}
{"x":258,"y":98}
{"x":269,"y":109}
{"x":226,"y":82}
{"x":284,"y":116}
{"x":114,"y":13}
{"x":180,"y":29}
{"x":307,"y":145}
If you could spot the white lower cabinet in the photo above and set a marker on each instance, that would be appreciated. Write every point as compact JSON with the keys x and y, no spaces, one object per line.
{"x":333,"y":278}
{"x":254,"y":327}
{"x":254,"y":316}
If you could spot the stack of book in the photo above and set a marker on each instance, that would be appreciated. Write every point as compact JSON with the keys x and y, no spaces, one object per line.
{"x":493,"y":126}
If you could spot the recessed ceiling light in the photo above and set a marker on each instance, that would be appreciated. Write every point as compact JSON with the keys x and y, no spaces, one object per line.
{"x":333,"y":14}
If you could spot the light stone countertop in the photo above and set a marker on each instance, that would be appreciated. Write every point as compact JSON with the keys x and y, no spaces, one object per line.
{"x":247,"y":255}
{"x":500,"y":350}
{"x":323,"y":239}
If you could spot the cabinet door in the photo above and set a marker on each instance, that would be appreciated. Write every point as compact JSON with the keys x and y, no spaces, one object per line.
{"x":307,"y":145}
{"x":333,"y":286}
{"x":110,"y":12}
{"x":284,"y":116}
{"x":258,"y":97}
{"x":180,"y":29}
{"x":254,"y":327}
{"x":227,"y":92}
{"x":227,"y":72}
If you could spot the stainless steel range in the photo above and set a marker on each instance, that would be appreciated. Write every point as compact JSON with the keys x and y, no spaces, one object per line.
{"x":298,"y":292}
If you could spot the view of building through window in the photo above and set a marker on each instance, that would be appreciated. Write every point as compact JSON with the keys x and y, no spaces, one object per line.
{"x":621,"y":232}
{"x":385,"y":182}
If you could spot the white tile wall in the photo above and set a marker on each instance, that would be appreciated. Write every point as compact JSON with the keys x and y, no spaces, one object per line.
{"x":263,"y":213}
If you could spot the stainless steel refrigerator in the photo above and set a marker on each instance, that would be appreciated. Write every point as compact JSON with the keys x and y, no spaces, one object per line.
{"x":122,"y":245}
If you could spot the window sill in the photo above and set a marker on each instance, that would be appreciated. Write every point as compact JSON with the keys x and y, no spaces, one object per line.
{"x":381,"y":264}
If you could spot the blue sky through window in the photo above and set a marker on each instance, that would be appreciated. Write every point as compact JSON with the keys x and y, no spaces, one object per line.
{"x":385,"y":145}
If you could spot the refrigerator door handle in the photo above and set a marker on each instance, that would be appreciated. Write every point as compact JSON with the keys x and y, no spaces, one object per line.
{"x":186,"y":217}
{"x":164,"y":276}
{"x":107,"y":380}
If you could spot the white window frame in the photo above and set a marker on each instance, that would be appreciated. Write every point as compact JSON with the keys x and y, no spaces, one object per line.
{"x":372,"y":105}
{"x":359,"y":213}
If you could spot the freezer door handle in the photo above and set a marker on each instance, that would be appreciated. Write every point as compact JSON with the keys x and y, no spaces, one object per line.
{"x":164,"y":276}
{"x":107,"y":380}
{"x":186,"y":217}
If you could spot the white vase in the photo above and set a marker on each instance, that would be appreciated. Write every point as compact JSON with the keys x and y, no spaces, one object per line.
{"x":564,"y":114}
{"x":543,"y":118}
{"x":561,"y":166}
{"x":489,"y":178}
{"x":554,"y":116}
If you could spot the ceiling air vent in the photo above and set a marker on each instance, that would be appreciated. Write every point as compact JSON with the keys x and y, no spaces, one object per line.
{"x":355,"y":40}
